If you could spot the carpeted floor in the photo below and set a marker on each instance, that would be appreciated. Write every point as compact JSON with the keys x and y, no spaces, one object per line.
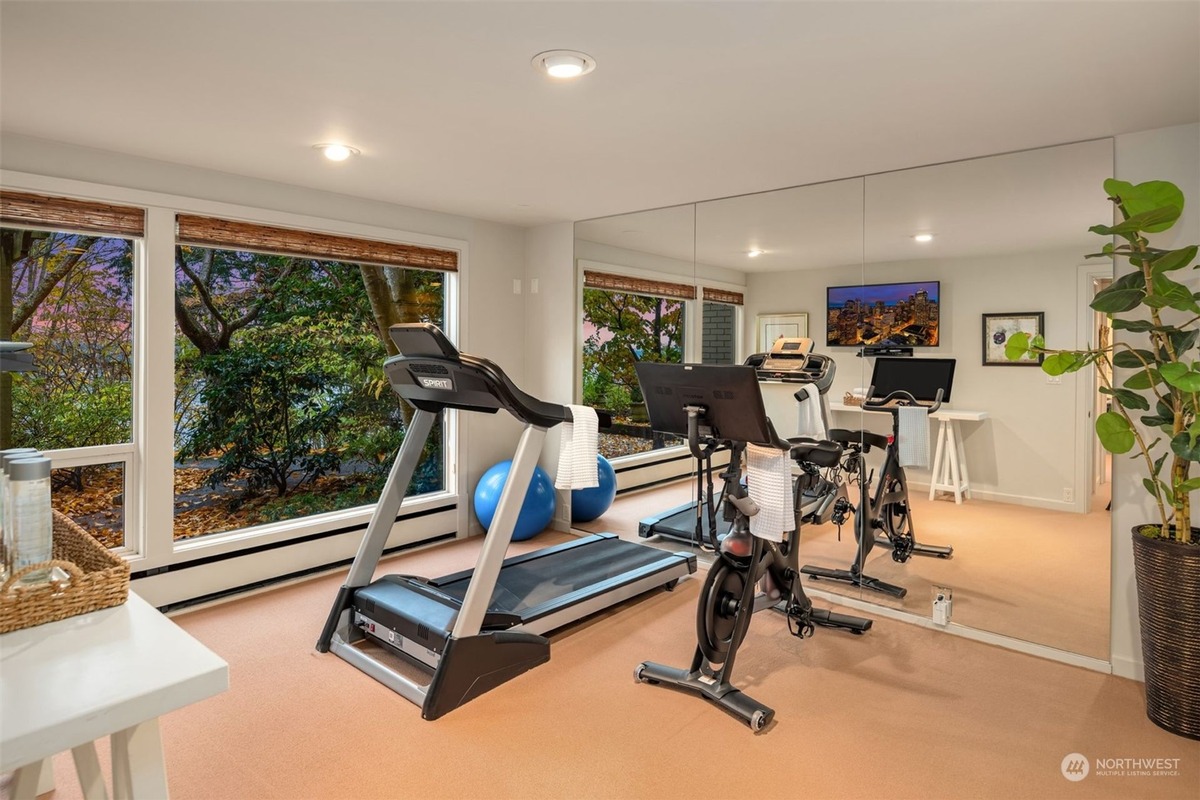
{"x":1032,"y":574}
{"x":901,"y":712}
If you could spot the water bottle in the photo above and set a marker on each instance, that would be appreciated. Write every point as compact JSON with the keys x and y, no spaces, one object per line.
{"x":33,"y":527}
{"x":6,"y":545}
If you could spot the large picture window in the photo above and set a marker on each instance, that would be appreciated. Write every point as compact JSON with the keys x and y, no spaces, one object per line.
{"x":70,"y":296}
{"x":282,"y":408}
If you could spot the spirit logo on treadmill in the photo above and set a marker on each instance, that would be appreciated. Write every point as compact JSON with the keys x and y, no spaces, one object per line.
{"x":444,"y":384}
{"x":1075,"y":766}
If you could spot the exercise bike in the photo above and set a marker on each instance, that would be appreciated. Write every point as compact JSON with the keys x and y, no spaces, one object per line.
{"x":883,"y":516}
{"x":750,"y":573}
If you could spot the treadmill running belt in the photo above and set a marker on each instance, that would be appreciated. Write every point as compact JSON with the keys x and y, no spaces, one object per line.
{"x":540,"y":580}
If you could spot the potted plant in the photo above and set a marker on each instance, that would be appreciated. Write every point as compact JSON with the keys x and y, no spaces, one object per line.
{"x":1153,"y":416}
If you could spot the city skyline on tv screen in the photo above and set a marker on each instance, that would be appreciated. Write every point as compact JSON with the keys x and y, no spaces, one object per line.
{"x":896,"y":314}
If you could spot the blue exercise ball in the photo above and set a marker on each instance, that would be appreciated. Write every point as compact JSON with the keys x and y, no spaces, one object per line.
{"x":536,"y":511}
{"x":588,"y":504}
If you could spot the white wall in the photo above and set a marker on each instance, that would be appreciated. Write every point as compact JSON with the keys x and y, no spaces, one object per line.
{"x":551,"y":333}
{"x":1017,"y":454}
{"x":1171,"y":154}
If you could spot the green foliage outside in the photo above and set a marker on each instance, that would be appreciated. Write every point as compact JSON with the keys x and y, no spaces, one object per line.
{"x":620,"y":330}
{"x":279,"y":379}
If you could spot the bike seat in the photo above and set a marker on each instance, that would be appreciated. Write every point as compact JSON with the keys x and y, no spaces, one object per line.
{"x":864,"y":439}
{"x":812,"y":451}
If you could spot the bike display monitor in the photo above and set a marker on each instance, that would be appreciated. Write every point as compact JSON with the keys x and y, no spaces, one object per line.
{"x":729,"y":394}
{"x":920,"y":377}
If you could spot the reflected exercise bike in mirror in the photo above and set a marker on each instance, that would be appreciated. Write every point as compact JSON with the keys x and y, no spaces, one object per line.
{"x":700,"y":522}
{"x":757,"y":565}
{"x":910,"y":390}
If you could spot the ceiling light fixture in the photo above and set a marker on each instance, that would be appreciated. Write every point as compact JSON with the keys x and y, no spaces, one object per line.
{"x":755,"y":253}
{"x":923,"y":237}
{"x":564,"y":63}
{"x":337,"y":152}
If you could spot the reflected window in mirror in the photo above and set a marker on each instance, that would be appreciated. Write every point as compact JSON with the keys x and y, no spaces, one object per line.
{"x":627,"y":320}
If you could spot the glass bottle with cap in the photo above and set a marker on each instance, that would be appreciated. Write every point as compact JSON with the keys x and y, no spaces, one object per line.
{"x":6,"y":546}
{"x":33,"y":529}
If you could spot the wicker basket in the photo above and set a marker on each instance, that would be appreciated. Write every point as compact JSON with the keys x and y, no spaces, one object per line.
{"x":1168,"y":587}
{"x":98,"y":579}
{"x":852,"y":399}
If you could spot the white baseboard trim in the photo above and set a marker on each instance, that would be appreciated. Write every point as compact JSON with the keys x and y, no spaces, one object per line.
{"x":1000,"y":497}
{"x":987,"y":637}
{"x":1128,"y":668}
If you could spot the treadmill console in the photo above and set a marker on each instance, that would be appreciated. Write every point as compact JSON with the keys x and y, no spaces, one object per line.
{"x":788,"y":361}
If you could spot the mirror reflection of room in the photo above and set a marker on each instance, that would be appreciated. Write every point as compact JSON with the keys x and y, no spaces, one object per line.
{"x":996,"y":501}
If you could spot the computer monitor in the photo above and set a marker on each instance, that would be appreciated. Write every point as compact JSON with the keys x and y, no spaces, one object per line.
{"x":729,"y":394}
{"x":920,"y":377}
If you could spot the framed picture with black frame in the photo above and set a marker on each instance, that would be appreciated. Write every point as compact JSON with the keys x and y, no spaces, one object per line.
{"x":997,"y":328}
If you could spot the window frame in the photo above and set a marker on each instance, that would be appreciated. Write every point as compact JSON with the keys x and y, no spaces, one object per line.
{"x":149,"y":457}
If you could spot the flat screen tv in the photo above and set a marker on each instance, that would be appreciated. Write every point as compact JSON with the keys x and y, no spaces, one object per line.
{"x":902,"y":314}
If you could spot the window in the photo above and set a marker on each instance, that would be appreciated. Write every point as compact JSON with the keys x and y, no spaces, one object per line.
{"x":282,"y":409}
{"x":625,"y":321}
{"x":70,"y":295}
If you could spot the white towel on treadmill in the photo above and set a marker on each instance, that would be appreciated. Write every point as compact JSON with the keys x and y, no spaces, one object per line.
{"x":812,"y":421}
{"x":769,"y":484}
{"x":577,"y":467}
{"x":913,"y":429}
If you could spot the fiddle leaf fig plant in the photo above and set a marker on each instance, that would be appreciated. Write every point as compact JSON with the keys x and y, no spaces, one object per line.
{"x":1155,"y":399}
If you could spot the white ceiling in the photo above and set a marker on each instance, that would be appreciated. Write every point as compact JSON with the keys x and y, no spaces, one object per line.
{"x":689,"y":100}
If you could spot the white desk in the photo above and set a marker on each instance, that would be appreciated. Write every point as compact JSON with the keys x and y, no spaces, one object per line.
{"x":111,"y":672}
{"x":949,"y":458}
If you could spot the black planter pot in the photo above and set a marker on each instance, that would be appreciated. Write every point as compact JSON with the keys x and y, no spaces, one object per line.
{"x":1168,"y":587}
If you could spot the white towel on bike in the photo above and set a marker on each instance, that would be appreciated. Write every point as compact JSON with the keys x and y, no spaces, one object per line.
{"x":913,"y":430}
{"x":812,"y":421}
{"x":577,"y":467}
{"x":769,"y":484}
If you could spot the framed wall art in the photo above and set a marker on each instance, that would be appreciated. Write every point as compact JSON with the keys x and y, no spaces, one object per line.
{"x":997,"y":328}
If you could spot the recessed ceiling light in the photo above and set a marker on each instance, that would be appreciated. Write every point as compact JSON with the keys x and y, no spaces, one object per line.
{"x":337,"y":152}
{"x":923,"y":237}
{"x":564,"y":63}
{"x":755,"y":253}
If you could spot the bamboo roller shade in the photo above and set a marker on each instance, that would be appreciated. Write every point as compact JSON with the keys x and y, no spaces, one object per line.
{"x":622,"y":283}
{"x":43,"y":211}
{"x":722,"y":296}
{"x":229,"y":235}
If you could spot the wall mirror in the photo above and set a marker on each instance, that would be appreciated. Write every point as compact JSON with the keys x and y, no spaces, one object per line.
{"x":1029,"y":524}
{"x":1012,"y":478}
{"x":638,"y":300}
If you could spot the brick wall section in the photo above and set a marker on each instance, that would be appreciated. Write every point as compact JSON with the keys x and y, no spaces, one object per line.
{"x":719,"y":339}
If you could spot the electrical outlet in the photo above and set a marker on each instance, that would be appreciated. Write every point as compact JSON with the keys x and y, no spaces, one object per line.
{"x":1054,"y":380}
{"x":1068,"y":495}
{"x":533,"y":285}
{"x":516,"y":285}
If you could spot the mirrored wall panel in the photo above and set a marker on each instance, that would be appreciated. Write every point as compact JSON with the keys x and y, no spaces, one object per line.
{"x":957,"y":258}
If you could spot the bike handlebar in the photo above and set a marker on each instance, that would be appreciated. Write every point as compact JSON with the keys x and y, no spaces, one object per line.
{"x":904,"y":399}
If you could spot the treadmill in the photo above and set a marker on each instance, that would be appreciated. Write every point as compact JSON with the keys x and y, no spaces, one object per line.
{"x":790,"y":360}
{"x":474,"y":630}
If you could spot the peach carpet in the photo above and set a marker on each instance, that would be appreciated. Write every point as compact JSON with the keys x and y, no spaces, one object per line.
{"x":1028,"y":573}
{"x":902,"y":712}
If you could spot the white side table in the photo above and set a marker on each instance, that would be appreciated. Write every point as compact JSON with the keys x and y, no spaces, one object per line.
{"x":112,"y":672}
{"x":949,"y":458}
